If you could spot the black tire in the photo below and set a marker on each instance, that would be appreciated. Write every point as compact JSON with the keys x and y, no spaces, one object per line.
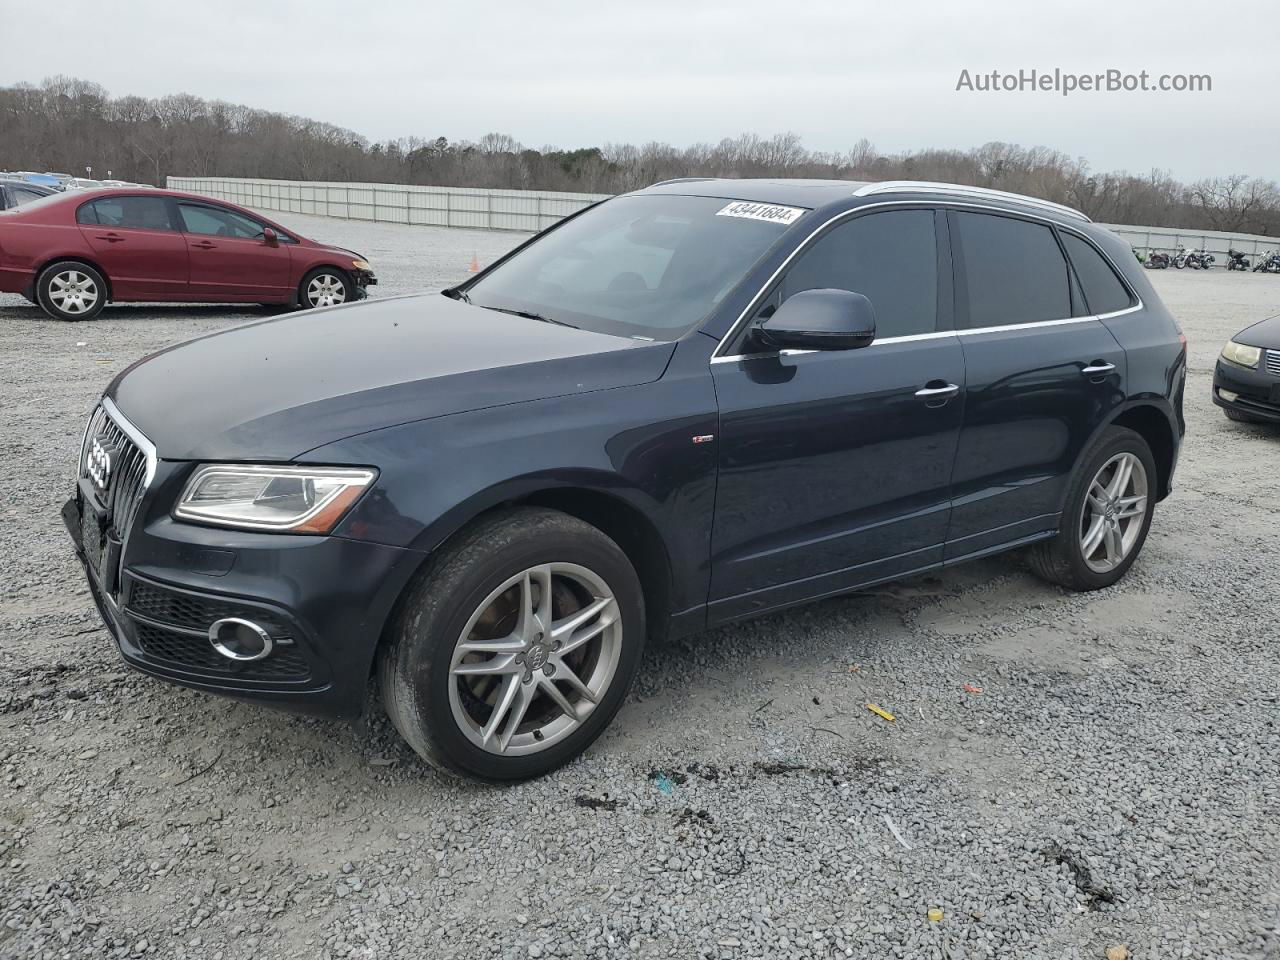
{"x":1241,"y":417}
{"x":57,"y":279}
{"x":414,"y":666}
{"x":307,"y":294}
{"x":1061,"y":560}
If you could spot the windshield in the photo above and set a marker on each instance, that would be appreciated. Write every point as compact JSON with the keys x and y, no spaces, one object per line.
{"x":648,"y":266}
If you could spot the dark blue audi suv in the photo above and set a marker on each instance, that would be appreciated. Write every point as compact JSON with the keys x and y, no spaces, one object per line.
{"x":681,"y":407}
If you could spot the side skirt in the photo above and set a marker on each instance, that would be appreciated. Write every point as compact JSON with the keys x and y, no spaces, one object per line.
{"x":736,"y":615}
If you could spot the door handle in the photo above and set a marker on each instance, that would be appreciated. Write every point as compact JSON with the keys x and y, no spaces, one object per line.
{"x":1098,"y":367}
{"x":204,"y":245}
{"x":944,"y":392}
{"x":109,"y":237}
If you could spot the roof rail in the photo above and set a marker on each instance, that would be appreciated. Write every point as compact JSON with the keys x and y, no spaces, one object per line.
{"x":663,"y":183}
{"x":960,"y":190}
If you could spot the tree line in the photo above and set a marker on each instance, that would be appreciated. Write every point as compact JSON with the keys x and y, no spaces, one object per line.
{"x":65,"y":124}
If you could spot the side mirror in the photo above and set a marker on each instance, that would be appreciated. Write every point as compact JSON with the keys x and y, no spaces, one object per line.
{"x":820,"y":320}
{"x":269,"y":235}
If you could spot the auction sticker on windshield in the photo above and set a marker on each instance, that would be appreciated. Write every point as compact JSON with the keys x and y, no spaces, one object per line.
{"x":762,"y":211}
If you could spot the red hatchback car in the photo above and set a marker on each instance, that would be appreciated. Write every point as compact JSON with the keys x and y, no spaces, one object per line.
{"x":73,"y":252}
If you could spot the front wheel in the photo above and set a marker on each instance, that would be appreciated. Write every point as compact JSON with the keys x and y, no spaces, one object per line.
{"x":514,"y":648}
{"x":1107,"y":515}
{"x":325,"y":287}
{"x":70,"y":290}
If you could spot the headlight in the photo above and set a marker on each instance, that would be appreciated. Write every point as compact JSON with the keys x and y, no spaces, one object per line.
{"x":288,"y":499}
{"x":360,"y":264}
{"x":1240,"y":354}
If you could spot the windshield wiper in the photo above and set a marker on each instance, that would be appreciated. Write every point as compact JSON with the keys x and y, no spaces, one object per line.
{"x":528,"y":315}
{"x":453,"y":293}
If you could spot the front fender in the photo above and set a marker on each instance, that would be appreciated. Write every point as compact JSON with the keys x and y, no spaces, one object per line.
{"x":632,"y":444}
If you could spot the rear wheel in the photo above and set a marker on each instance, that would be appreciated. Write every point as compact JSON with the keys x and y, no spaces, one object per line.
{"x":70,"y":290}
{"x":515,"y":647}
{"x":1107,"y":516}
{"x":325,"y":287}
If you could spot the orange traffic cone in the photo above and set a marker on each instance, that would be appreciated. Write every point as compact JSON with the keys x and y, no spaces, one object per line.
{"x":475,"y":265}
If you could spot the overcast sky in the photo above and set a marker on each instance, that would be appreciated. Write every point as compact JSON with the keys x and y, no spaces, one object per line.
{"x":583,"y":73}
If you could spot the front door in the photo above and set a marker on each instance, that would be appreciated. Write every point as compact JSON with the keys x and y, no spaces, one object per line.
{"x":135,"y":243}
{"x":230,"y":259}
{"x":835,"y":468}
{"x":1043,"y":374}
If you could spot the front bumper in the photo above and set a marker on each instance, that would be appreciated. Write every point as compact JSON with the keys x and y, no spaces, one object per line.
{"x":1255,"y":392}
{"x":325,"y":601}
{"x":364,"y":279}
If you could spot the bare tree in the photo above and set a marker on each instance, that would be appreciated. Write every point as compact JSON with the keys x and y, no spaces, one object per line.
{"x":1237,"y":202}
{"x":66,"y":124}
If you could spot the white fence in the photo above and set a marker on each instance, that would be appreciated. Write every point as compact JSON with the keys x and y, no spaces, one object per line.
{"x":1168,"y":239}
{"x":528,"y":210}
{"x":533,"y":210}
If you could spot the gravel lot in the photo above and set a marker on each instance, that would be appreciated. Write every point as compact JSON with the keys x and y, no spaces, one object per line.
{"x":1115,"y":781}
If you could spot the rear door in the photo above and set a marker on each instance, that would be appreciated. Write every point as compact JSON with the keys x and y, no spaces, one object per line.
{"x":136,"y":243}
{"x":230,"y":259}
{"x":835,"y":470}
{"x":1042,"y":374}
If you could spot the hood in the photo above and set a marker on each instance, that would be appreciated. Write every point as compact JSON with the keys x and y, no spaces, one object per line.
{"x":275,"y":389}
{"x":334,"y":248}
{"x":1264,"y":333}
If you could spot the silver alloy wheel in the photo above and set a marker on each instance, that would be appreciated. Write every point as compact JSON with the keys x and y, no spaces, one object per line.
{"x":535,"y":659}
{"x":1113,"y":512}
{"x":73,"y":292}
{"x":326,"y":290}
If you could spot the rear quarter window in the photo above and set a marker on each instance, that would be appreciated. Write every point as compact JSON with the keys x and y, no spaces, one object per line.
{"x":1104,"y":292}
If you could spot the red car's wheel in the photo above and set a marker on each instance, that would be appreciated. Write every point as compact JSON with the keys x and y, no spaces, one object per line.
{"x":325,"y":287}
{"x":70,"y":290}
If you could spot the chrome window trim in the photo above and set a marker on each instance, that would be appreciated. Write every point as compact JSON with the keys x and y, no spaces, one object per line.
{"x":1120,"y":313}
{"x":133,"y":433}
{"x":737,"y":324}
{"x":974,"y":331}
{"x":938,"y":335}
{"x":961,"y":190}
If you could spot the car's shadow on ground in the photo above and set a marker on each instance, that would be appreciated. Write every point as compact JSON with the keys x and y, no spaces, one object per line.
{"x":148,"y":311}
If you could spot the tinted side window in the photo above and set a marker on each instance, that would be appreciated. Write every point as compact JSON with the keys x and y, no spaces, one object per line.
{"x":1014,"y":270}
{"x":1102,"y":288}
{"x":139,"y":213}
{"x":891,"y":258}
{"x":217,"y":222}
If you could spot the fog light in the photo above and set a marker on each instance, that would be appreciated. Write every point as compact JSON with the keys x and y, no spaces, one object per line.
{"x":1228,"y":396}
{"x":238,"y":639}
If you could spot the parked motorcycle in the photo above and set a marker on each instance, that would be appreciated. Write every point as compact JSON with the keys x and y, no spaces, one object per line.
{"x":1237,"y":261}
{"x":1199,"y":259}
{"x":1157,"y":260}
{"x":1180,"y":257}
{"x":1268,"y":262}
